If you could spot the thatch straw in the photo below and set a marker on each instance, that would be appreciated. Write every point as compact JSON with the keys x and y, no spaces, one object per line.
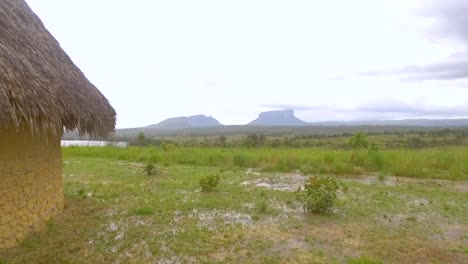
{"x":40,"y":87}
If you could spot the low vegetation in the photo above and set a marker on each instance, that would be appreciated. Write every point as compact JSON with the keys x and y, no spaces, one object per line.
{"x":439,"y":163}
{"x":150,"y":169}
{"x":257,"y":204}
{"x":317,"y":137}
{"x":209,"y":183}
{"x":318,"y":195}
{"x":252,"y":217}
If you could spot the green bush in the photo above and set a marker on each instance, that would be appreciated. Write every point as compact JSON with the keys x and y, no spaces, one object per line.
{"x":209,"y":183}
{"x":318,"y":195}
{"x":150,"y":169}
{"x":359,"y":141}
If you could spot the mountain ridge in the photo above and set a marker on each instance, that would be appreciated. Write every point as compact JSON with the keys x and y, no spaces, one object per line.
{"x":287,"y":118}
{"x":183,"y":122}
{"x":284,"y":117}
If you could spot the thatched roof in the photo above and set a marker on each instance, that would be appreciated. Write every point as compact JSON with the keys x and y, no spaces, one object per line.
{"x":40,"y":87}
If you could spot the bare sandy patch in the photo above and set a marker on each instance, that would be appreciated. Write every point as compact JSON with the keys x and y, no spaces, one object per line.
{"x":211,"y":219}
{"x":280,"y":182}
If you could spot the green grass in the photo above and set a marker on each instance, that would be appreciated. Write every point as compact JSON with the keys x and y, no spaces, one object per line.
{"x":115,"y":213}
{"x":448,"y":163}
{"x":363,"y":260}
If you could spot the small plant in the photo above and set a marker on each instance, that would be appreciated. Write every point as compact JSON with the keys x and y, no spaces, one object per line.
{"x":209,"y":183}
{"x":85,"y":192}
{"x":318,"y":195}
{"x":382,"y":176}
{"x":262,"y":207}
{"x":150,"y":169}
{"x":359,"y":141}
{"x":81,"y":192}
{"x":143,"y":211}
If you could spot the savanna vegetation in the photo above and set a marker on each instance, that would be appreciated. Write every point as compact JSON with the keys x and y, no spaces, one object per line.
{"x":355,"y":199}
{"x":439,"y":163}
{"x":396,"y":138}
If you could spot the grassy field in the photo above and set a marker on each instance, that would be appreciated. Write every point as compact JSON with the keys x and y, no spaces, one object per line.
{"x":116,"y":214}
{"x":439,"y":163}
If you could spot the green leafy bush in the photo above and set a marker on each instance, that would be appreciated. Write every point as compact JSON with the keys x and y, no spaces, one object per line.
{"x":318,"y":195}
{"x":209,"y":183}
{"x":359,"y":141}
{"x":150,"y":169}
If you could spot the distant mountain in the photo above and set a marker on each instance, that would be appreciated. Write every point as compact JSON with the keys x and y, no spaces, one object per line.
{"x":404,"y":122}
{"x":278,"y":118}
{"x":284,"y":122}
{"x":186,"y":122}
{"x":287,"y":118}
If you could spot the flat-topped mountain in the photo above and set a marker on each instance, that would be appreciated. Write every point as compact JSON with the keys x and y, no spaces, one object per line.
{"x":278,"y":118}
{"x":187,"y":122}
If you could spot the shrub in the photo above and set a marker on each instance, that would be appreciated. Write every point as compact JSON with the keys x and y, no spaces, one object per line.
{"x":318,"y":195}
{"x":209,"y":183}
{"x":150,"y":169}
{"x":359,"y":141}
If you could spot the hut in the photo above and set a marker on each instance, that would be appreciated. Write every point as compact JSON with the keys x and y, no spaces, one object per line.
{"x":42,"y":94}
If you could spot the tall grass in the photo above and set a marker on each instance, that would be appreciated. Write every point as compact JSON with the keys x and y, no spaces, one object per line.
{"x":449,"y":163}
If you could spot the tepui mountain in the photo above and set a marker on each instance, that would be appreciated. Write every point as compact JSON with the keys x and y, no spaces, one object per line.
{"x":278,"y":118}
{"x":187,"y":122}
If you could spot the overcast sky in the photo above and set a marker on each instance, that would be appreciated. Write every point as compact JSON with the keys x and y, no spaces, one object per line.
{"x":328,"y":60}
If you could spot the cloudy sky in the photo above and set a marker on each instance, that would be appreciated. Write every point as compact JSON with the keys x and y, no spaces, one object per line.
{"x":328,"y":60}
